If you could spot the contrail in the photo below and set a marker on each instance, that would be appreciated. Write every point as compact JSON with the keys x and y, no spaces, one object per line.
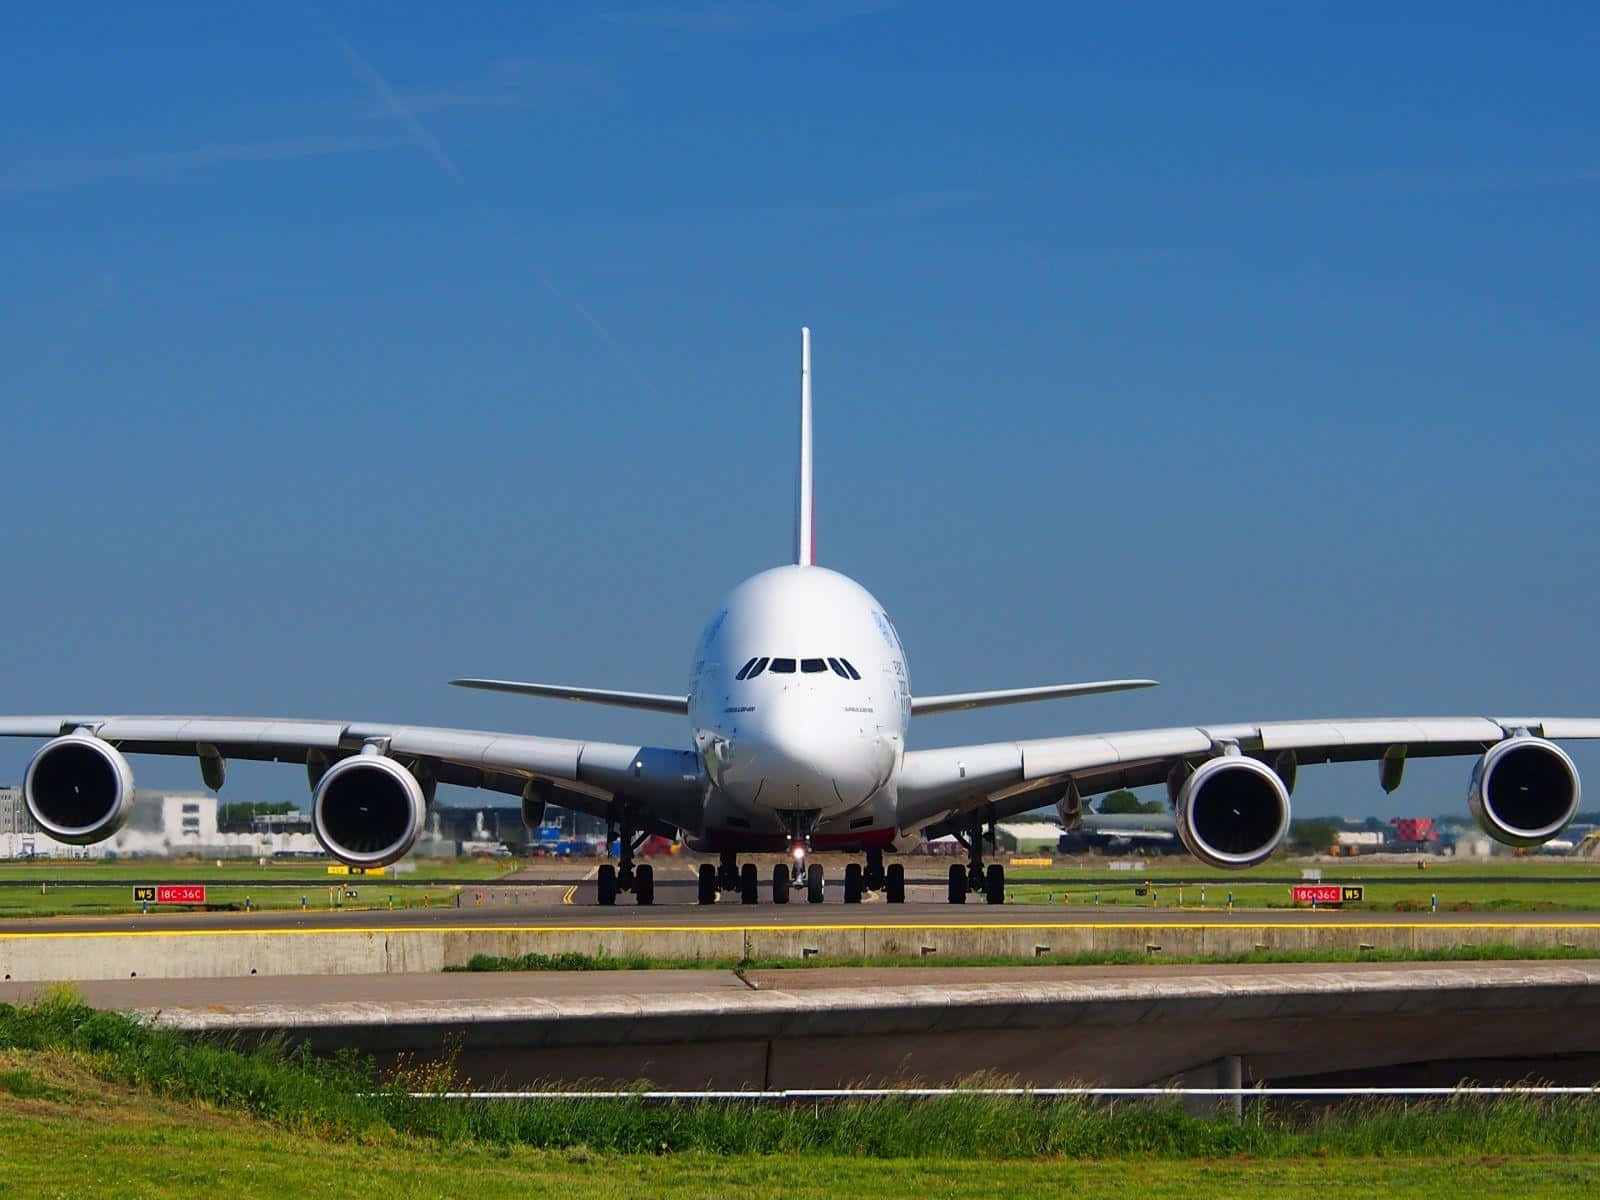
{"x":368,"y":74}
{"x":392,"y":100}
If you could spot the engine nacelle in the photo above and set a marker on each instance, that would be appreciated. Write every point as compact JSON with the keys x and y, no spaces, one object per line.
{"x":79,"y":789}
{"x":368,"y":810}
{"x":1232,"y":812}
{"x":1524,"y":791}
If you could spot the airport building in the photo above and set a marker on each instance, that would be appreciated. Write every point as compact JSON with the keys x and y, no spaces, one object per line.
{"x":162,"y":824}
{"x":185,"y":824}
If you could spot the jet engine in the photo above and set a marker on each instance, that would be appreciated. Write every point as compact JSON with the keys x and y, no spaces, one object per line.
{"x":79,"y":789}
{"x":1524,"y":791}
{"x":1232,"y":811}
{"x":368,"y":810}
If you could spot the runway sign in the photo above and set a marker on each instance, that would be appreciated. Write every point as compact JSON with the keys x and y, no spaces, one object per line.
{"x":171,"y":893}
{"x":1326,"y":894}
{"x":1317,"y":893}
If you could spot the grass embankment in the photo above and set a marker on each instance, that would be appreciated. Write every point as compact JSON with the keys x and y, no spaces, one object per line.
{"x":97,"y":1104}
{"x":573,"y":961}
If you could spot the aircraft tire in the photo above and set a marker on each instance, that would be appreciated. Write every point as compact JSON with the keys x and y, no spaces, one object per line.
{"x":706,"y":893}
{"x":958,"y":884}
{"x":780,"y":883}
{"x":894,"y":884}
{"x":852,"y":884}
{"x":994,"y":884}
{"x":747,"y":883}
{"x":606,"y":885}
{"x":814,"y":883}
{"x":644,"y":885}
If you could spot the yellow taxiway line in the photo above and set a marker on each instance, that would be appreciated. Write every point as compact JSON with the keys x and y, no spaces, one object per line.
{"x":566,"y":896}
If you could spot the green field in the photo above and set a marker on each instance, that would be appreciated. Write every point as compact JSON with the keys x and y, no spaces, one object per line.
{"x":95,"y":1104}
{"x":1509,"y":884}
{"x":225,"y":870}
{"x":88,"y":887}
{"x":110,"y":1145}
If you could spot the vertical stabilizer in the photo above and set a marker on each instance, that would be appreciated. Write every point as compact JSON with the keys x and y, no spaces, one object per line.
{"x":805,"y":534}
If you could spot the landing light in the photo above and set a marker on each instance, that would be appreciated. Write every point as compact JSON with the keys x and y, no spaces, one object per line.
{"x":798,"y":850}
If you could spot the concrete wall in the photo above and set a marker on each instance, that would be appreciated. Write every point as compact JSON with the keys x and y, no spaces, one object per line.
{"x":351,"y":949}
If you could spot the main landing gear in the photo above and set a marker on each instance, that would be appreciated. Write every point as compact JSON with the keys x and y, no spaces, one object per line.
{"x":874,"y":877}
{"x":728,"y":876}
{"x":625,"y":877}
{"x":973,"y":877}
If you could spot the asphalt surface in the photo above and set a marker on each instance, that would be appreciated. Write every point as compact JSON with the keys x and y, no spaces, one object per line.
{"x":733,"y":914}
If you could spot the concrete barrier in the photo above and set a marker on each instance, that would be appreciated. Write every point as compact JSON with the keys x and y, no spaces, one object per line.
{"x":354,"y":950}
{"x":1117,"y":1026}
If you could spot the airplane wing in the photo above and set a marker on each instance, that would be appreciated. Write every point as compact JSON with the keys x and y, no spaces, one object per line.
{"x":958,"y":701}
{"x":1536,"y":794}
{"x":661,"y":786}
{"x":650,"y":701}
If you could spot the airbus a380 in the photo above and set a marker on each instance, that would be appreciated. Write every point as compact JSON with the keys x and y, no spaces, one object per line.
{"x":799,"y":707}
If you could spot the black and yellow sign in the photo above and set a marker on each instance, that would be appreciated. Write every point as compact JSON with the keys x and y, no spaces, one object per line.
{"x":1351,"y":893}
{"x":144,"y":895}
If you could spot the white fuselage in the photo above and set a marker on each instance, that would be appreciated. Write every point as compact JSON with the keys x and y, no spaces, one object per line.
{"x":810,"y":741}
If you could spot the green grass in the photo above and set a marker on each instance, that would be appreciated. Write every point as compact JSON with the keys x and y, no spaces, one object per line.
{"x":90,"y":887}
{"x":1380,"y":896}
{"x":159,"y":1152}
{"x":343,"y":1099}
{"x":96,"y":1104}
{"x":242,"y":871}
{"x":1178,"y":868}
{"x":91,"y":901}
{"x":1505,"y":884}
{"x":573,"y":961}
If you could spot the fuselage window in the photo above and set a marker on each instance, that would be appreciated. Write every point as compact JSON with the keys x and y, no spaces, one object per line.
{"x":783,"y":666}
{"x":761,"y":665}
{"x":837,"y":669}
{"x":813,"y":666}
{"x":745,"y":670}
{"x":845,"y":663}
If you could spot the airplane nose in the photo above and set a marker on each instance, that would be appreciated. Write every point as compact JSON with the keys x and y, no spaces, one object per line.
{"x":809,"y":759}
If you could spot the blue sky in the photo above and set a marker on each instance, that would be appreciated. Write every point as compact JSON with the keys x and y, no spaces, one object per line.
{"x":1251,"y":347}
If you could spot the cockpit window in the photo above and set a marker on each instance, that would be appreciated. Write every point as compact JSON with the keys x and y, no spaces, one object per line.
{"x":813,"y":666}
{"x":845,"y":663}
{"x":837,"y":669}
{"x":745,"y":670}
{"x":783,"y":666}
{"x":761,"y":665}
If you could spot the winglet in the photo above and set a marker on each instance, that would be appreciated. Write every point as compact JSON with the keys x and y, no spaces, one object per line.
{"x":805,"y":533}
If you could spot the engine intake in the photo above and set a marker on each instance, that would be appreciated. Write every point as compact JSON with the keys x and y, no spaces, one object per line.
{"x":1232,"y":812}
{"x":1524,"y":791}
{"x":79,"y":789}
{"x":368,"y":810}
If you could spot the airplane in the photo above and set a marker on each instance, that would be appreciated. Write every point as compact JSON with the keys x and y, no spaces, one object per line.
{"x":799,"y":706}
{"x":1116,"y":833}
